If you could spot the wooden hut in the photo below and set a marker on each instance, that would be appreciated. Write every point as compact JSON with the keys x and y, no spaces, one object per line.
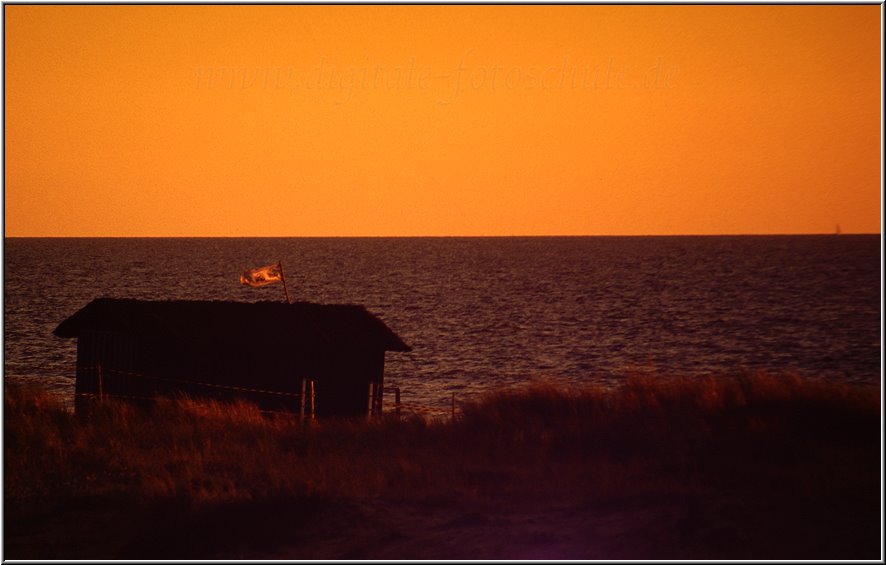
{"x":269,"y":353}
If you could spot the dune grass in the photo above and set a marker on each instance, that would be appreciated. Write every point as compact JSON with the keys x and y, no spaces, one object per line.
{"x":204,"y":451}
{"x":750,"y":436}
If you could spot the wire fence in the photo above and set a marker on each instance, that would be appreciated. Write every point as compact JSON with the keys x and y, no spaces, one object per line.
{"x":99,"y":369}
{"x":398,"y":407}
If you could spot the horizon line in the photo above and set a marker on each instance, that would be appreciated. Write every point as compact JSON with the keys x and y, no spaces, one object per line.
{"x":431,"y":236}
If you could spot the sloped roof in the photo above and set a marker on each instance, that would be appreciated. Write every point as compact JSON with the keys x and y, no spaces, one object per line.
{"x":333,"y":326}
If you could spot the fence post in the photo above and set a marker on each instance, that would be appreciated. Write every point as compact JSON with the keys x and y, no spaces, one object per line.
{"x":313,"y":405}
{"x":453,"y":406}
{"x":369,"y":403}
{"x":302,"y":402}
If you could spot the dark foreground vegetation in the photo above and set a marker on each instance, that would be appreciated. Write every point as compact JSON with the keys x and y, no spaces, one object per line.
{"x":751,"y":467}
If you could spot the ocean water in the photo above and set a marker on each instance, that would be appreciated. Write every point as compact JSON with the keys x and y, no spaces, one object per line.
{"x":486,"y":313}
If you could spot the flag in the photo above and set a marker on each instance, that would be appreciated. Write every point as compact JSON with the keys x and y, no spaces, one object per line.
{"x":262,"y":275}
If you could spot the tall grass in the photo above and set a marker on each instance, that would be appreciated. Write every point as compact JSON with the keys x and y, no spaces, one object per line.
{"x":653,"y":434}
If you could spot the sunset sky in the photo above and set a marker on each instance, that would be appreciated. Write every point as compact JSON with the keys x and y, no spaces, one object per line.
{"x":441,"y":120}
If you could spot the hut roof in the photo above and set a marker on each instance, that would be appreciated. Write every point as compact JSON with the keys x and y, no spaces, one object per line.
{"x":331,"y":326}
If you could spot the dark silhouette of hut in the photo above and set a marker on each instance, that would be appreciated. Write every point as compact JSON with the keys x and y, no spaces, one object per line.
{"x":263,"y":352}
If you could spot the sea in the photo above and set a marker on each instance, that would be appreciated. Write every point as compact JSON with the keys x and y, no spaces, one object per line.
{"x":489,"y":313}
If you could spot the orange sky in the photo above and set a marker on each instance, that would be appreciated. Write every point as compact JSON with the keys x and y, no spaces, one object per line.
{"x":441,"y":120}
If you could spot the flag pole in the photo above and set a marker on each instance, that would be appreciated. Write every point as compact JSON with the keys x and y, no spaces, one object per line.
{"x":283,"y":277}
